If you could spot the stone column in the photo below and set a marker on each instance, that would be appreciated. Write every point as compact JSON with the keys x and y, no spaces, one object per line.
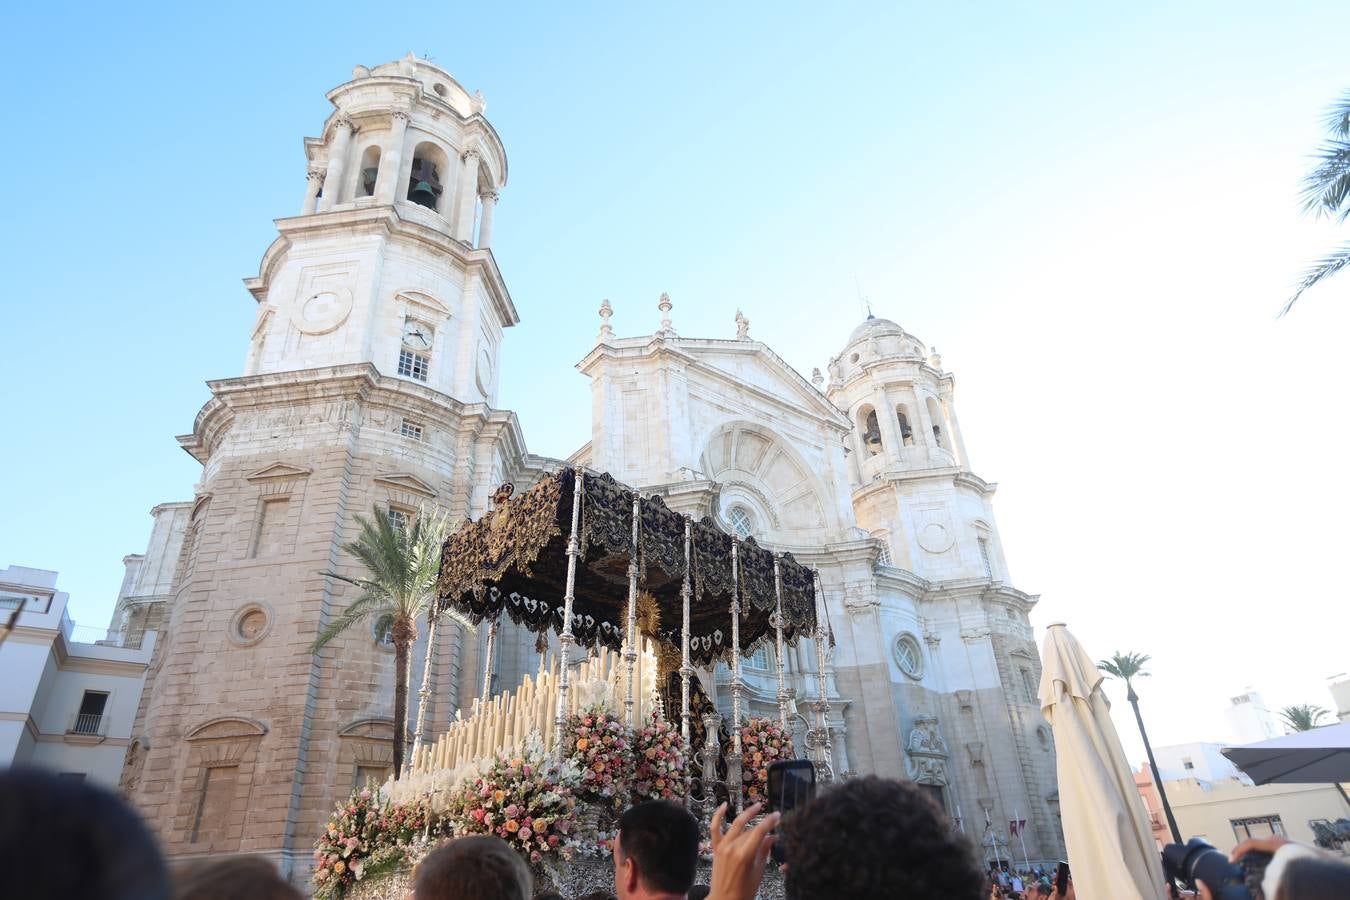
{"x":954,"y":432}
{"x":337,"y":162}
{"x":462,"y":223}
{"x":391,"y":160}
{"x":485,"y":225}
{"x":314,"y":179}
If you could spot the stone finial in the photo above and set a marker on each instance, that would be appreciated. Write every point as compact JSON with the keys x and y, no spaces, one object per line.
{"x":605,"y":331}
{"x":360,"y":72}
{"x":935,"y":359}
{"x":478,"y":103}
{"x":816,"y":378}
{"x":665,"y":306}
{"x":742,"y":326}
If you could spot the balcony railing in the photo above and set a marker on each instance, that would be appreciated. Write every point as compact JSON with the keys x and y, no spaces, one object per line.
{"x":89,"y":723}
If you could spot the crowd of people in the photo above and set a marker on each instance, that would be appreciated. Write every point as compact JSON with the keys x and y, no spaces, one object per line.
{"x":863,"y":838}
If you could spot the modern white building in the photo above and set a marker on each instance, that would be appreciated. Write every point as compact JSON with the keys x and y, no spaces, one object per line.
{"x":1250,"y":720}
{"x":1198,"y":760}
{"x":65,"y":705}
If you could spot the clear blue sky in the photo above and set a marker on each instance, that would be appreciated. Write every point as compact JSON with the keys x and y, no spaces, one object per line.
{"x":1090,"y":211}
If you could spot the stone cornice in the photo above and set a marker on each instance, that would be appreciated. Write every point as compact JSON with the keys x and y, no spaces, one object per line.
{"x":825,"y":413}
{"x":361,"y":382}
{"x":892,"y":476}
{"x":980,"y":588}
{"x":347,"y":221}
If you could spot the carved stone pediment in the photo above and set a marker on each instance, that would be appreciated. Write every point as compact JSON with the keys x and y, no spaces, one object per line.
{"x":226,"y":727}
{"x":406,"y":482}
{"x":277,"y":471}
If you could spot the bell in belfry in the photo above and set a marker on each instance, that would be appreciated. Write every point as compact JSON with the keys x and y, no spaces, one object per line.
{"x":425,"y":187}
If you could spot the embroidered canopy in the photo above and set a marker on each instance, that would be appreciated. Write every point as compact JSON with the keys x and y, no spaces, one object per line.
{"x":514,"y":560}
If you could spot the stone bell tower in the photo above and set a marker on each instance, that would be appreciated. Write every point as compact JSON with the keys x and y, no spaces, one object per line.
{"x":370,"y":385}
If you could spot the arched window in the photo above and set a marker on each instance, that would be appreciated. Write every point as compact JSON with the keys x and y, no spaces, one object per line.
{"x":884,"y":550}
{"x":742,"y":521}
{"x":935,"y":416}
{"x":429,"y":165}
{"x":369,"y":171}
{"x":384,"y":630}
{"x":871,"y":430}
{"x":906,"y":432}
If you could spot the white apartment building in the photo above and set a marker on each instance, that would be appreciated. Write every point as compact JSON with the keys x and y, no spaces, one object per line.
{"x":64,"y":705}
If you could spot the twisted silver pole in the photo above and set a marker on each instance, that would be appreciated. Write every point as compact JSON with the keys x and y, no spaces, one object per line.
{"x":569,"y":595}
{"x":491,"y":651}
{"x":630,"y":636}
{"x":686,"y":670}
{"x":734,"y":760}
{"x":779,"y":648}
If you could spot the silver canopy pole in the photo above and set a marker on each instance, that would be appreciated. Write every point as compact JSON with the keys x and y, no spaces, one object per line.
{"x":565,"y":639}
{"x":686,"y":670}
{"x":779,"y":648}
{"x":734,"y":760}
{"x":630,"y":638}
{"x":822,"y":703}
{"x":488,"y":664}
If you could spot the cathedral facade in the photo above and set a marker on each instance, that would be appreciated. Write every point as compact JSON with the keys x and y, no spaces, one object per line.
{"x":370,"y":387}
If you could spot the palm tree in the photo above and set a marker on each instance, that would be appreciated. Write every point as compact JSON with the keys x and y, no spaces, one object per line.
{"x":401,"y":563}
{"x":1129,"y":666}
{"x":1302,"y":718}
{"x":1326,"y":193}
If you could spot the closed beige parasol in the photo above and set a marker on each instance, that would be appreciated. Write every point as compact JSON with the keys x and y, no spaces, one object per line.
{"x":1111,"y":851}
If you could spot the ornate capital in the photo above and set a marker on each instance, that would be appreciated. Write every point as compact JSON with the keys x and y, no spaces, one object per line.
{"x":488,"y":196}
{"x":341,"y":121}
{"x":401,"y":115}
{"x":468,"y":152}
{"x":316,"y":174}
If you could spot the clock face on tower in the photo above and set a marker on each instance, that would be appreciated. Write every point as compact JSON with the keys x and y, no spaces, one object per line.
{"x":416,"y":336}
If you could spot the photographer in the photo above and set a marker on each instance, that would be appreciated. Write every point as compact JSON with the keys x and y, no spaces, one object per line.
{"x":1295,"y":871}
{"x":865,"y":837}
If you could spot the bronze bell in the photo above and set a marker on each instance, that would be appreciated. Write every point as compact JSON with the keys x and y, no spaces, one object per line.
{"x":423,"y":194}
{"x":368,"y":177}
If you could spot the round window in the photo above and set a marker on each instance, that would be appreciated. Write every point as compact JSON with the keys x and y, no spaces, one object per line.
{"x":741,"y":521}
{"x":908,"y":656}
{"x":249,"y":624}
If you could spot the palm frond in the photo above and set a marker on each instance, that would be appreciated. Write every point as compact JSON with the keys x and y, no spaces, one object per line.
{"x":1303,"y":717}
{"x":362,"y":607}
{"x":1125,"y":665}
{"x":1326,"y":188}
{"x":1324,"y":268}
{"x":1337,"y":118}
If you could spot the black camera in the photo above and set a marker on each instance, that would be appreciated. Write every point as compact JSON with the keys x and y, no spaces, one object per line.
{"x":1196,"y":862}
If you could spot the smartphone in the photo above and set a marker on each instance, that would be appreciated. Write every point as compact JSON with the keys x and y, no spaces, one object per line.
{"x":792,"y":782}
{"x":1062,"y":879}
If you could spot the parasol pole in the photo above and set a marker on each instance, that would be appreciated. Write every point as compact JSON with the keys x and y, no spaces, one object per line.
{"x":822,"y":704}
{"x":491,"y":650}
{"x":686,"y":670}
{"x":630,"y":641}
{"x":734,"y":759}
{"x":565,"y":639}
{"x":779,"y":648}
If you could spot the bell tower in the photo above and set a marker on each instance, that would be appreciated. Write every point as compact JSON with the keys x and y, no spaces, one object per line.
{"x":389,"y":261}
{"x":369,"y":388}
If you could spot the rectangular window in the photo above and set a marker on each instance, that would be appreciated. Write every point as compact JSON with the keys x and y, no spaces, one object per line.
{"x":1186,"y":763}
{"x":271,"y":537}
{"x":1257,"y":827}
{"x":397,"y":518}
{"x":89,"y":720}
{"x":1028,"y":686}
{"x":413,"y":365}
{"x":73,"y":776}
{"x":410,"y":430}
{"x":367,"y":774}
{"x":984,"y":558}
{"x":213,"y":804}
{"x":884,"y":554}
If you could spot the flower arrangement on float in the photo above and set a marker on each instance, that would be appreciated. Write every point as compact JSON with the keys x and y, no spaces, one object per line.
{"x":528,"y":801}
{"x":763,"y":743}
{"x":662,"y":757}
{"x":601,"y":748}
{"x":364,"y":838}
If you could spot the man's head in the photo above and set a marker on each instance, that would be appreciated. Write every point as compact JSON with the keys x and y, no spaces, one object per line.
{"x":1043,"y":889}
{"x":656,"y":851}
{"x":478,"y":867}
{"x":69,"y":839}
{"x":864,"y":836}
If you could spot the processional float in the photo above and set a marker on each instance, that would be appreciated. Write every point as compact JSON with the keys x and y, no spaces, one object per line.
{"x":625,"y":566}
